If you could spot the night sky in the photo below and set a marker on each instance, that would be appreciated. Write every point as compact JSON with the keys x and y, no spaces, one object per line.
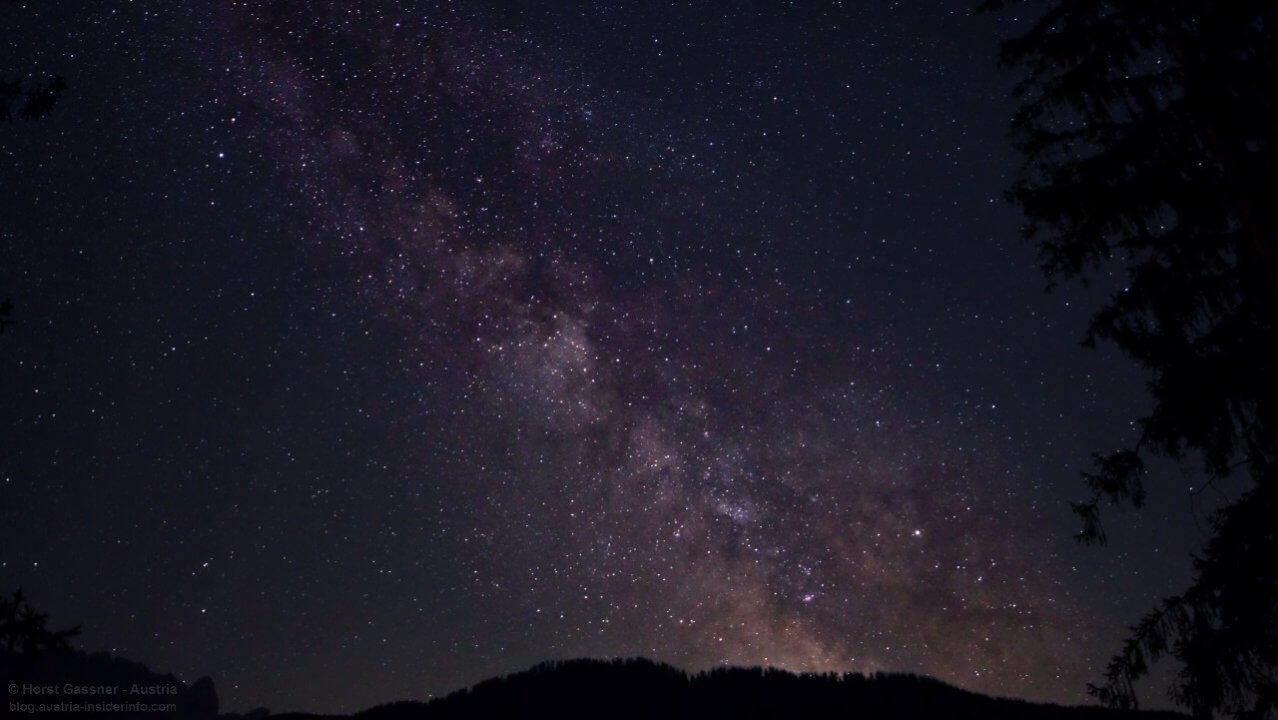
{"x":368,"y":350}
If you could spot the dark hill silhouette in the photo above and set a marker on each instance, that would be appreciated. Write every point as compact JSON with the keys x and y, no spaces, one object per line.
{"x":638,"y":688}
{"x":568,"y":690}
{"x":134,"y":683}
{"x":39,"y":669}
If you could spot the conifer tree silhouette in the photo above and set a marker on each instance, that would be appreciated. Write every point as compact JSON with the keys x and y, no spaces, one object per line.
{"x":23,"y":630}
{"x":1149,"y":130}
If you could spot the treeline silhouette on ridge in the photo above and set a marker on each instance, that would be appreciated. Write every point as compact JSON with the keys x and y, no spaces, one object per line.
{"x":639,"y":688}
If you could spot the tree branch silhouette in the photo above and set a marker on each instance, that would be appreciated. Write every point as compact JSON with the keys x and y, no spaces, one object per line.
{"x":24,"y":630}
{"x":1149,"y":130}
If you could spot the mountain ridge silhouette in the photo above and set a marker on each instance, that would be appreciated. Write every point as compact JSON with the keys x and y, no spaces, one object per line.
{"x":641,"y":688}
{"x":625,"y":688}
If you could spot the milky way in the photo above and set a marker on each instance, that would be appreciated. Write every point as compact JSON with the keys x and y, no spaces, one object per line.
{"x":494,"y":354}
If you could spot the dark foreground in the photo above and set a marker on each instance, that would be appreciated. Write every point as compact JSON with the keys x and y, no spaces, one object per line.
{"x":574,"y":689}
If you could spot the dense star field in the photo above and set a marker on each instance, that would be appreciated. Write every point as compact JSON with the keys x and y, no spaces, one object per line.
{"x":367,"y":350}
